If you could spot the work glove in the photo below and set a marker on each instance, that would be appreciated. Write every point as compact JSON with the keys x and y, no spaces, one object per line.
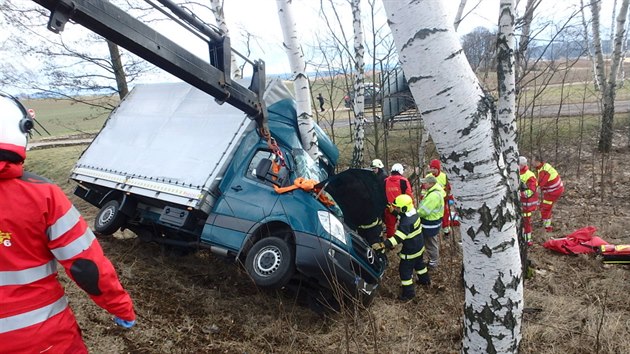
{"x":123,"y":323}
{"x":377,"y":246}
{"x":522,"y":186}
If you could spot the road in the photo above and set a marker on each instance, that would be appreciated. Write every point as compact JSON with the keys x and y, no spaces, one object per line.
{"x":568,"y":109}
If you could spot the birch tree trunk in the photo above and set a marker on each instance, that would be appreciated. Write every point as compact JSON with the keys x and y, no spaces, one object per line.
{"x":458,"y":115}
{"x":217,"y":9}
{"x":506,"y":105}
{"x":609,"y":86}
{"x":359,"y":90}
{"x":458,"y":15}
{"x":587,"y":44}
{"x":300,"y":79}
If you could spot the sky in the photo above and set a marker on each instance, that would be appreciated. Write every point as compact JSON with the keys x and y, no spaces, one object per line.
{"x":259,"y":17}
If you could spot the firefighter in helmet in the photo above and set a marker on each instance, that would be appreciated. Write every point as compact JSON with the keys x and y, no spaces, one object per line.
{"x":40,"y":227}
{"x":409,"y":233}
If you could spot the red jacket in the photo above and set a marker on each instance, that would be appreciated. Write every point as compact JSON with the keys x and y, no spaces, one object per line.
{"x":396,"y":185}
{"x":38,"y":228}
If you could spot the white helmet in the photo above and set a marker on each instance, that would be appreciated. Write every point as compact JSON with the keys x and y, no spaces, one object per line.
{"x":376,"y":163}
{"x":15,"y":123}
{"x":522,"y":161}
{"x":398,"y":168}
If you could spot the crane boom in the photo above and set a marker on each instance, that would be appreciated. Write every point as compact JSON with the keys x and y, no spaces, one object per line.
{"x":116,"y":25}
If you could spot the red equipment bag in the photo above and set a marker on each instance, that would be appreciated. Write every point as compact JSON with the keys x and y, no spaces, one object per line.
{"x":580,"y":241}
{"x":615,"y":254}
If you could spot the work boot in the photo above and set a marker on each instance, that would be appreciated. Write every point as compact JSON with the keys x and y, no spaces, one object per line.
{"x":424,"y":279}
{"x":433,"y":265}
{"x":407,"y":294}
{"x":446,"y":230}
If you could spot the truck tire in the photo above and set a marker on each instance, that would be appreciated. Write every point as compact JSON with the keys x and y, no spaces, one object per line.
{"x":270,"y":263}
{"x":109,"y":219}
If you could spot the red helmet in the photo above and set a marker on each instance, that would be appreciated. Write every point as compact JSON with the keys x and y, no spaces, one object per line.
{"x":435,"y":164}
{"x":15,"y":123}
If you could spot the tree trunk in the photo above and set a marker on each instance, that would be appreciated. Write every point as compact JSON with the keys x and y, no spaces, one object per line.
{"x":458,"y":15}
{"x":506,"y":105}
{"x":458,"y":115}
{"x":608,"y":94}
{"x":119,"y":71}
{"x":217,"y":9}
{"x":522,"y":57}
{"x":359,"y":92}
{"x":587,"y":45}
{"x":300,"y":79}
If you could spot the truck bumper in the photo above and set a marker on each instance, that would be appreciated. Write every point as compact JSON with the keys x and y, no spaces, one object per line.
{"x":336,"y":269}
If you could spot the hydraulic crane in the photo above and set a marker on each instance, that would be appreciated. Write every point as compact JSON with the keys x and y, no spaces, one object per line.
{"x":213,"y":77}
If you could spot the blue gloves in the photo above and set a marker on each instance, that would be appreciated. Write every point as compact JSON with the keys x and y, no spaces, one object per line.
{"x":123,"y":323}
{"x":451,"y":202}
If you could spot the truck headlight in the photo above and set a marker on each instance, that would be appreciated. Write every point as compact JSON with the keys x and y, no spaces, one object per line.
{"x":332,"y":225}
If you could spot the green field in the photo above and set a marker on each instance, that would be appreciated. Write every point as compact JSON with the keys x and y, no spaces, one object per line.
{"x":66,"y":118}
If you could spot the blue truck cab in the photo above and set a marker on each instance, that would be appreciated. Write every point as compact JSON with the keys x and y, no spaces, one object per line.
{"x":175,"y":167}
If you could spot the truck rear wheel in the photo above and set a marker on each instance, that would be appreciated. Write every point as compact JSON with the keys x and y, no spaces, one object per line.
{"x":270,"y":263}
{"x":109,"y":219}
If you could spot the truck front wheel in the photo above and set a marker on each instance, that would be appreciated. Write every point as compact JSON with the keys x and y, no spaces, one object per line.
{"x":109,"y":219}
{"x":270,"y":263}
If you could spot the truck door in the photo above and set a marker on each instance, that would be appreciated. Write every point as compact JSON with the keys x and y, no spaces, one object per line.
{"x":245,"y":201}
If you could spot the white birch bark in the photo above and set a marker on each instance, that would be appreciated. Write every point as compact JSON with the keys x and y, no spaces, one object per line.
{"x":300,"y":79}
{"x":608,"y":86}
{"x":458,"y":15}
{"x":612,"y":25}
{"x":216,"y":7}
{"x":621,"y":75}
{"x":587,"y":43}
{"x":506,"y":104}
{"x":359,"y":89}
{"x":595,"y":6}
{"x":458,"y":115}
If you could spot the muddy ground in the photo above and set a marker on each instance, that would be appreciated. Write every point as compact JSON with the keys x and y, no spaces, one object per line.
{"x":201,"y":304}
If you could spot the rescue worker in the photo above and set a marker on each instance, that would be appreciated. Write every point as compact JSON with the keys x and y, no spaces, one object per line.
{"x":395,"y":185}
{"x":435,"y":169}
{"x":38,"y":228}
{"x":379,"y":169}
{"x":409,"y":233}
{"x":372,"y":232}
{"x":551,"y":187}
{"x":528,"y":196}
{"x":431,"y":211}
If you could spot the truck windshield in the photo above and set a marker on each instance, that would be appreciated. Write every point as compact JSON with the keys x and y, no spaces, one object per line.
{"x":307,"y":167}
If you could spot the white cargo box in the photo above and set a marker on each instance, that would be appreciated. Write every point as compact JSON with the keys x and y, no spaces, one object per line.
{"x":166,"y":141}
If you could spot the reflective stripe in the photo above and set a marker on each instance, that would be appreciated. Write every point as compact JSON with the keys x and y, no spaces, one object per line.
{"x":29,"y":275}
{"x":406,"y":282}
{"x":75,"y":247}
{"x":553,"y":187}
{"x":30,"y":318}
{"x":530,"y":204}
{"x":526,"y":215}
{"x":425,"y":226}
{"x":422,"y":271}
{"x":547,"y":201}
{"x":376,"y":222}
{"x":400,"y":234}
{"x":63,"y":224}
{"x":393,"y":241}
{"x":412,"y":256}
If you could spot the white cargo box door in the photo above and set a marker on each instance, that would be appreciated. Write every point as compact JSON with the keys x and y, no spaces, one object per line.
{"x":167,"y":141}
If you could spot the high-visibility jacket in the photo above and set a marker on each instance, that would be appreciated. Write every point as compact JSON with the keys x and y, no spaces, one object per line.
{"x":432,"y":205}
{"x":548,"y":178}
{"x":529,"y":190}
{"x":442,"y":179}
{"x":396,"y":185}
{"x":38,"y":228}
{"x":409,"y":234}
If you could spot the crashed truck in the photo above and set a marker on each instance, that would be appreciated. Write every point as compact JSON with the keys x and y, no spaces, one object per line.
{"x":180,"y":168}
